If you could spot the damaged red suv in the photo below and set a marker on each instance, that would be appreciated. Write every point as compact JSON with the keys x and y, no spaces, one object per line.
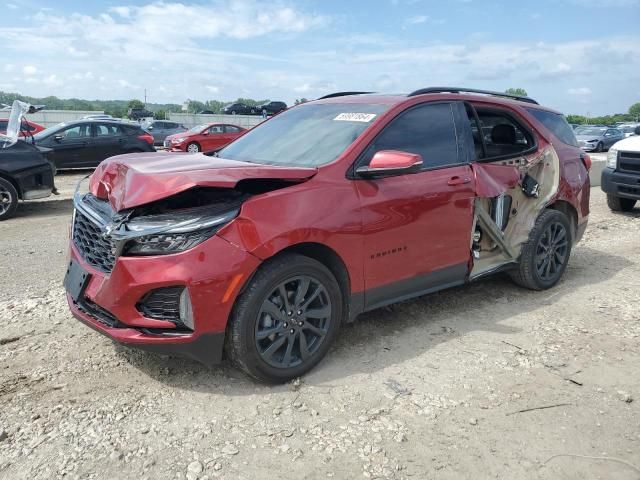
{"x":330,"y":209}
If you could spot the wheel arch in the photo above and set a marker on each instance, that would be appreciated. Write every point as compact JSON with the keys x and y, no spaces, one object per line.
{"x":571,"y":213}
{"x":326,"y":256}
{"x":13,"y":182}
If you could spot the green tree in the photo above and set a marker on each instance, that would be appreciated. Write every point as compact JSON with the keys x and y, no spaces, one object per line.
{"x":521,"y":92}
{"x":634,"y":110}
{"x":298,"y":101}
{"x":195,"y":106}
{"x":160,"y":114}
{"x":135,"y":104}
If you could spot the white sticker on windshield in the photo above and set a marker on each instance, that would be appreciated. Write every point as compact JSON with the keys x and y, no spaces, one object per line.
{"x":356,"y":117}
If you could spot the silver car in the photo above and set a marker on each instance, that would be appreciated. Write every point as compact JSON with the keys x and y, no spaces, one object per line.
{"x":598,"y":139}
{"x":161,"y":129}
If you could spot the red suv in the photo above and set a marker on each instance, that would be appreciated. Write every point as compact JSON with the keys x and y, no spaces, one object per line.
{"x":330,"y":209}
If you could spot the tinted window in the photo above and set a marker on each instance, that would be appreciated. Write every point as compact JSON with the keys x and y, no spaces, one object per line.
{"x":3,"y":124}
{"x":308,"y":135}
{"x":232,"y":129}
{"x":77,"y":131}
{"x":170,"y":125}
{"x":428,"y":130}
{"x":502,"y":134}
{"x":216,"y":129}
{"x":107,"y":130}
{"x":557,"y":124}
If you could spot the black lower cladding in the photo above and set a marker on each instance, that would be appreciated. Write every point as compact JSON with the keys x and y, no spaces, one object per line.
{"x":206,"y":349}
{"x":416,"y":286}
{"x":625,"y":185}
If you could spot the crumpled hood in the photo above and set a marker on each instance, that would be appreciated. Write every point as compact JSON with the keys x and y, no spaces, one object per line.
{"x":128,"y":181}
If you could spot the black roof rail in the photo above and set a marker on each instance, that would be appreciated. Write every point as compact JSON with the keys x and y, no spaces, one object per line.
{"x":422,"y":91}
{"x":342,"y":94}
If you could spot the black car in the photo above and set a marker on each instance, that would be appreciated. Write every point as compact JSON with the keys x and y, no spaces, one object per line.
{"x":271,"y":108}
{"x":239,"y":109}
{"x":26,"y":173}
{"x":86,"y":143}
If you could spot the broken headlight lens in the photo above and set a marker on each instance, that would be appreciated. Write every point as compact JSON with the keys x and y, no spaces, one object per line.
{"x":163,"y":234}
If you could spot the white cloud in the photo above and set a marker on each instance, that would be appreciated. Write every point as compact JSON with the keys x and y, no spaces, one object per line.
{"x":579,"y":91}
{"x":11,"y":6}
{"x":212,"y":88}
{"x":416,"y":20}
{"x":9,"y":67}
{"x":29,"y":70}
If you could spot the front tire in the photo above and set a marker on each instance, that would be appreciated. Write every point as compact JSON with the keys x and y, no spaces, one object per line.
{"x":8,"y":199}
{"x":600,"y":147}
{"x":618,"y":204}
{"x":284,"y":322}
{"x":545,"y":255}
{"x":193,"y":147}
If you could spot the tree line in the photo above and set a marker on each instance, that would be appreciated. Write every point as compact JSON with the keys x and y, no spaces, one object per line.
{"x":119,"y":108}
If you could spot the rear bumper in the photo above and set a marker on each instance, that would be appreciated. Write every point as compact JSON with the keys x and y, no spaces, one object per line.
{"x":624,"y":185}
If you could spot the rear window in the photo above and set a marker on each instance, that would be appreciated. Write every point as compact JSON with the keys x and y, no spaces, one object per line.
{"x":557,"y":124}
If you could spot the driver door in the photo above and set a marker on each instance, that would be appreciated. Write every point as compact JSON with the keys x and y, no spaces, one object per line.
{"x":417,"y":227}
{"x":72,"y":146}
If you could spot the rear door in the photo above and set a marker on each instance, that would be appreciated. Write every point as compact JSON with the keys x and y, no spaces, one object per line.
{"x":417,"y":227}
{"x":231,"y":132}
{"x":214,"y":138}
{"x":108,"y":140}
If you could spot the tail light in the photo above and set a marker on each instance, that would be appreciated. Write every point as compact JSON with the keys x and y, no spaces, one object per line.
{"x":586,"y":159}
{"x":147,"y":137}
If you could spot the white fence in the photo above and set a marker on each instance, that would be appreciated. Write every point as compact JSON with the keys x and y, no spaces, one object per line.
{"x":48,"y":118}
{"x":192,"y":119}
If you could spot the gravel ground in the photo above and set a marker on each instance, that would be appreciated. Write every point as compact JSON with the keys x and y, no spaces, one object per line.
{"x":438,"y":387}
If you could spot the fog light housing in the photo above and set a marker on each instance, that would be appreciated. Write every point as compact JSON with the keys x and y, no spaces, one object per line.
{"x":186,"y":310}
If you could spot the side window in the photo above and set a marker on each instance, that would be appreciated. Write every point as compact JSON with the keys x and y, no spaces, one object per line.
{"x":104,"y":130}
{"x":77,"y":131}
{"x":232,"y":129}
{"x":502,"y":134}
{"x":216,"y":129}
{"x":428,"y":130}
{"x":557,"y":124}
{"x":170,"y":125}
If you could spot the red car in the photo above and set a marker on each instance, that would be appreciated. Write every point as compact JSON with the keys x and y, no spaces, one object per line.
{"x":330,"y":209}
{"x":27,"y":128}
{"x":203,"y":138}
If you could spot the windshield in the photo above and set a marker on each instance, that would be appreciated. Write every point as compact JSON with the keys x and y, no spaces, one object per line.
{"x":197,"y":128}
{"x":628,"y":129}
{"x":306,"y":136}
{"x":591,"y":131}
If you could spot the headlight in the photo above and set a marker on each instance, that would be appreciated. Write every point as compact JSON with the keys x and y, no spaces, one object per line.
{"x":612,"y":158}
{"x":178,"y":140}
{"x":167,"y":233}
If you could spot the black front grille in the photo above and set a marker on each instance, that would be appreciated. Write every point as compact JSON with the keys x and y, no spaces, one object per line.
{"x":97,"y":249}
{"x":162,"y":304}
{"x":629,"y":162}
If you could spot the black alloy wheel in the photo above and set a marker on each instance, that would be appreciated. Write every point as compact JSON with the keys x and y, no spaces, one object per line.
{"x":8,"y":199}
{"x":293,"y":322}
{"x":551,"y":253}
{"x":286,"y":318}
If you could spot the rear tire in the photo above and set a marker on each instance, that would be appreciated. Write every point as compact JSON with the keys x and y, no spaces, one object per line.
{"x":193,"y":147}
{"x":545,"y":255}
{"x":618,"y":204}
{"x":8,"y":199}
{"x":274,"y":339}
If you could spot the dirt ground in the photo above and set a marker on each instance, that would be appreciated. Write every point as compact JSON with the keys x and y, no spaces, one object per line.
{"x":438,"y":387}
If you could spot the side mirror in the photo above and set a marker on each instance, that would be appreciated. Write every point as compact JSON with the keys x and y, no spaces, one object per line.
{"x":391,"y":162}
{"x":58,"y":137}
{"x":206,"y":132}
{"x":150,"y":127}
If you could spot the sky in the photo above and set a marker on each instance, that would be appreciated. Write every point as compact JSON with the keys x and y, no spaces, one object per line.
{"x":578,"y":56}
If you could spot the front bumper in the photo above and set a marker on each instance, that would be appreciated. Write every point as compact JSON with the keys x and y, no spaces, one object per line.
{"x":213,"y":272}
{"x":35,"y":182}
{"x":619,"y":184}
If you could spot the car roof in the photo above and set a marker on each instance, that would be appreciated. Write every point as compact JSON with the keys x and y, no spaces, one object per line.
{"x":396,"y":99}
